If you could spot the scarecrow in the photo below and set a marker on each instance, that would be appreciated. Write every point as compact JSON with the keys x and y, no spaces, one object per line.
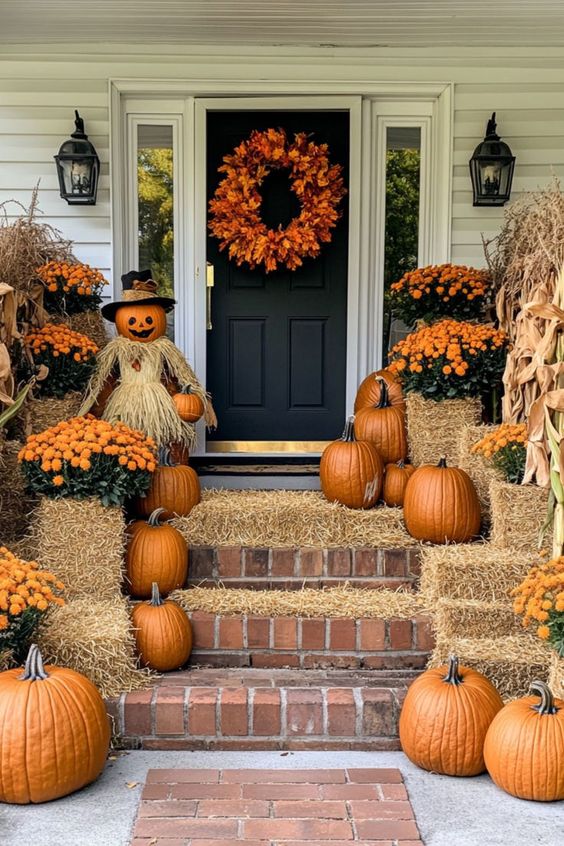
{"x":141,"y":377}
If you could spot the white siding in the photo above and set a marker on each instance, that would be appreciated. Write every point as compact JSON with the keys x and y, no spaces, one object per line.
{"x":39,"y":92}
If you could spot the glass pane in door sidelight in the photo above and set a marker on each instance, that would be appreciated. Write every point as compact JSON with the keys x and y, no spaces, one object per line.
{"x":155,"y":208}
{"x":403,"y":176}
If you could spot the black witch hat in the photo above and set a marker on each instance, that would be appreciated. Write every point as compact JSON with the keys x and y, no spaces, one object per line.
{"x":138,"y":287}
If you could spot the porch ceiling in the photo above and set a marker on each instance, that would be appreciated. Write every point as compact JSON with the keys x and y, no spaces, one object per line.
{"x":353,"y":23}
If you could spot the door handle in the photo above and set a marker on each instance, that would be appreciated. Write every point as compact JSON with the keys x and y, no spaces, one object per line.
{"x":209,"y":285}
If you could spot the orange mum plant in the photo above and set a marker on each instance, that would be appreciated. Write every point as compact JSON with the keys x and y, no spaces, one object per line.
{"x":438,"y":290}
{"x":236,"y":205}
{"x":540,"y":600}
{"x":86,"y":457}
{"x":69,"y":356}
{"x":26,"y":592}
{"x":506,"y":448}
{"x":450,"y":359}
{"x":71,"y":288}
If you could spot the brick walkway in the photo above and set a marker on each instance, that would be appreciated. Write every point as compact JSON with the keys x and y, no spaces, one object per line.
{"x":367,"y":807}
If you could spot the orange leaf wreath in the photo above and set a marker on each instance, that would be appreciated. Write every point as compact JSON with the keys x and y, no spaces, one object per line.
{"x":236,"y":206}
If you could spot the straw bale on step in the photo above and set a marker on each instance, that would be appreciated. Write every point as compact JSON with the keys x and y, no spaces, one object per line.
{"x":342,"y":601}
{"x":471,"y":571}
{"x":519,"y":513}
{"x":83,"y":543}
{"x":480,"y":470}
{"x":44,"y":412}
{"x":289,"y":519}
{"x":474,"y":618}
{"x":511,"y":662}
{"x":15,"y":504}
{"x":434,"y":428}
{"x":96,"y":639}
{"x":4,"y":661}
{"x":89,"y":323}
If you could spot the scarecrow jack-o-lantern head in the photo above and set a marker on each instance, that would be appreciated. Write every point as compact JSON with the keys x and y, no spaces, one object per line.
{"x":141,"y":314}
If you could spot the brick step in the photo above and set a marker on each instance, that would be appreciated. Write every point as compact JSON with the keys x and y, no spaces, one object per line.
{"x":254,"y":709}
{"x":310,"y":643}
{"x":288,"y":569}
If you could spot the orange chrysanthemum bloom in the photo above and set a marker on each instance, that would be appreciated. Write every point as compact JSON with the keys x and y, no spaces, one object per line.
{"x":71,"y":288}
{"x":69,"y":357}
{"x":439,"y":290}
{"x":539,"y":599}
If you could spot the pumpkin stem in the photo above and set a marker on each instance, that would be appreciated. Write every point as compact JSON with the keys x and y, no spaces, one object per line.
{"x":348,"y":431}
{"x":164,"y":457}
{"x":154,"y":517}
{"x":453,"y":676}
{"x":34,"y":669}
{"x":186,"y":389}
{"x":384,"y":401}
{"x":401,"y":464}
{"x":156,"y":598}
{"x":442,"y":461}
{"x":546,"y":705}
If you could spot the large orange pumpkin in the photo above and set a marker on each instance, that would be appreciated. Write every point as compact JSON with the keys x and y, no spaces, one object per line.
{"x":174,"y":487}
{"x":163,"y":633}
{"x":383,"y":424}
{"x":441,"y":505}
{"x":369,"y":390}
{"x":444,"y":719}
{"x":54,"y":732}
{"x":351,"y":471}
{"x":189,"y":405}
{"x":395,"y":482}
{"x":156,"y":552}
{"x":143,"y":323}
{"x":524,"y":748}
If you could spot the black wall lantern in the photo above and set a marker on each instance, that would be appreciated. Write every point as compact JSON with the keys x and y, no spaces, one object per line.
{"x":491,"y":169}
{"x":78,"y":167}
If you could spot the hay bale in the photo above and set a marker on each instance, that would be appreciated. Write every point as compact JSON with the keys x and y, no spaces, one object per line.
{"x":94,"y":638}
{"x":471,"y":571}
{"x":15,"y":504}
{"x":480,"y":470}
{"x":83,"y":543}
{"x":474,"y":618}
{"x":435,"y":428}
{"x":44,"y":412}
{"x":89,"y":323}
{"x":4,"y":661}
{"x":342,"y":601}
{"x":518,"y":515}
{"x":511,"y":662}
{"x":556,"y":675}
{"x":289,"y":519}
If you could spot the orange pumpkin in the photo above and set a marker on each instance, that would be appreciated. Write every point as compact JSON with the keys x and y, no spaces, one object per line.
{"x":156,"y":552}
{"x":143,"y":323}
{"x":351,"y":471}
{"x":395,"y":482}
{"x":54,"y":732}
{"x":163,"y":633}
{"x":524,"y":748}
{"x":189,"y":405}
{"x":383,"y":424}
{"x":441,"y":505}
{"x":369,"y":390}
{"x":174,"y":488}
{"x":444,"y":719}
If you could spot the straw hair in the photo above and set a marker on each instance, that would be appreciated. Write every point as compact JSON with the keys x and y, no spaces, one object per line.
{"x":44,"y":412}
{"x":474,"y":618}
{"x":15,"y":504}
{"x":96,"y":639}
{"x":434,"y":428}
{"x":344,"y":601}
{"x":556,"y":675}
{"x":289,"y":519}
{"x":519,"y":513}
{"x":480,"y":470}
{"x":82,"y":542}
{"x":471,"y":571}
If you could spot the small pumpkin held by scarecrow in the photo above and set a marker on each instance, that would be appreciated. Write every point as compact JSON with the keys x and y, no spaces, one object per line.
{"x":141,"y":376}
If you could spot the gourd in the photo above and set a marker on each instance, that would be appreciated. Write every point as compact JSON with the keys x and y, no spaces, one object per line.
{"x":143,"y":323}
{"x":351,"y":471}
{"x":163,"y":633}
{"x":383,"y":424}
{"x":370,"y":388}
{"x":54,"y":732}
{"x":524,"y":748}
{"x":156,"y":552}
{"x":445,"y":717}
{"x":189,"y":405}
{"x":395,"y":482}
{"x":174,"y":487}
{"x":441,"y":505}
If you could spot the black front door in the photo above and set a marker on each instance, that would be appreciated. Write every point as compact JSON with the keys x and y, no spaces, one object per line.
{"x":276,"y":352}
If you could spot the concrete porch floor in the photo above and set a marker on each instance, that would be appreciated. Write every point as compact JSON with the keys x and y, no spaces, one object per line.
{"x":449,"y":811}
